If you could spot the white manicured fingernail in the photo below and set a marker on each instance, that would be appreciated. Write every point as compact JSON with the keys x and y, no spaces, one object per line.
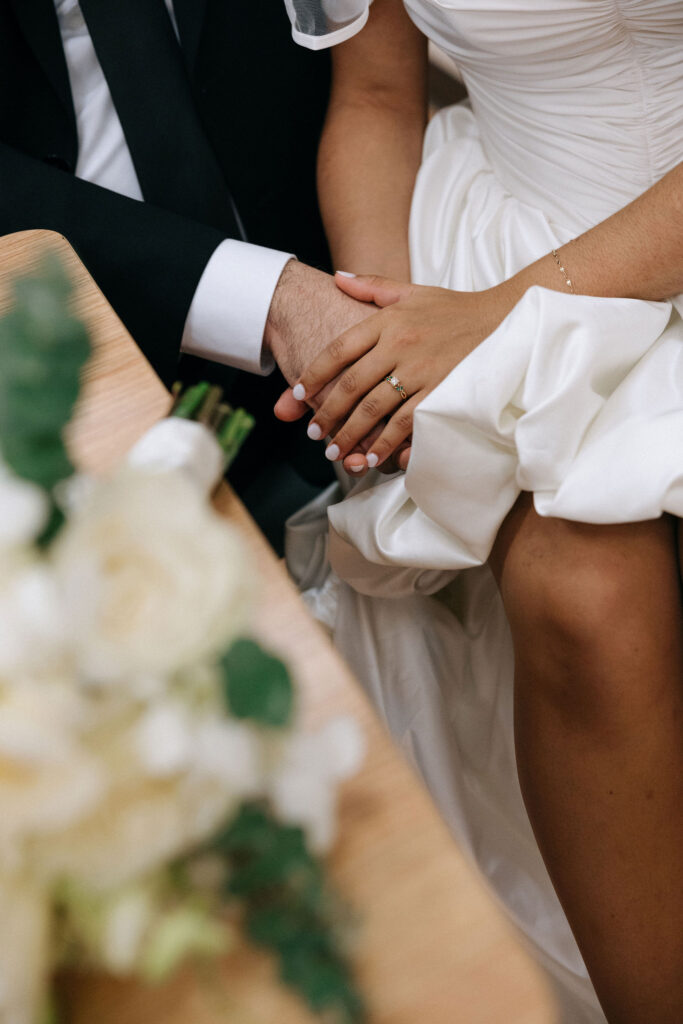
{"x":372,"y":460}
{"x":298,"y":392}
{"x":345,"y":273}
{"x":314,"y":431}
{"x":356,"y":469}
{"x":332,"y":452}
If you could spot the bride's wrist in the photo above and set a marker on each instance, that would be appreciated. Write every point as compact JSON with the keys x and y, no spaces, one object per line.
{"x":502,"y":298}
{"x":545,"y":272}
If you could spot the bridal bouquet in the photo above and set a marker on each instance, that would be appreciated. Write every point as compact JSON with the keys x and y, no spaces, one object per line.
{"x":156,"y":792}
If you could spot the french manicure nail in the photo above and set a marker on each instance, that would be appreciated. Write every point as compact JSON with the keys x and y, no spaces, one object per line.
{"x":345,"y":273}
{"x":356,"y":469}
{"x":299,"y":392}
{"x":372,"y":460}
{"x":332,"y":452}
{"x":314,"y":431}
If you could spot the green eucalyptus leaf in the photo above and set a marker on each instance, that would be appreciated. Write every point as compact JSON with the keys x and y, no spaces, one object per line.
{"x":256,"y":685}
{"x":284,"y":860}
{"x":275,"y":926}
{"x":248,"y":832}
{"x":42,"y":351}
{"x":289,"y":910}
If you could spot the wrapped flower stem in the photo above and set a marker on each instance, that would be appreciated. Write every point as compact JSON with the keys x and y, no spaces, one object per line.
{"x":187,"y":402}
{"x":234,"y":432}
{"x":203,"y":403}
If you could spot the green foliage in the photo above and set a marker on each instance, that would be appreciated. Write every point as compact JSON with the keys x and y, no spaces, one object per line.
{"x":188,"y":403}
{"x":289,"y":910}
{"x":204,"y":402}
{"x":42,"y":351}
{"x":256,"y":685}
{"x":233,"y":433}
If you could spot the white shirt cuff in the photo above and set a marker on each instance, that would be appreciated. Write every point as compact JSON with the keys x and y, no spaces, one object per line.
{"x":228,"y":313}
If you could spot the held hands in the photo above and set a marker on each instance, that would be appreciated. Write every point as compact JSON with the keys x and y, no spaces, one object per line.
{"x":306,"y":313}
{"x":421,"y":335}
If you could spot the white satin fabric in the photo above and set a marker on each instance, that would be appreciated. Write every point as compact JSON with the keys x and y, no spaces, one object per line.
{"x":576,"y":108}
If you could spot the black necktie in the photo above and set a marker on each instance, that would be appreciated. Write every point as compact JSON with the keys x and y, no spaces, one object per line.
{"x":143,"y":64}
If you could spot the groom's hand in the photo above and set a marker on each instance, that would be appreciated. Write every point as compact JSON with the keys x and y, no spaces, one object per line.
{"x":305,"y":316}
{"x":306,"y":313}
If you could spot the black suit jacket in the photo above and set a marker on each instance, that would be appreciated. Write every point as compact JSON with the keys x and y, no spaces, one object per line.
{"x":261,"y":101}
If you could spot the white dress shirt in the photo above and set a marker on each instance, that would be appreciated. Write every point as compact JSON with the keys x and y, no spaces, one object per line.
{"x":227,"y":316}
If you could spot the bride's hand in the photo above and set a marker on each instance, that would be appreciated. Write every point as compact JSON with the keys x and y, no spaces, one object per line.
{"x":418,"y":339}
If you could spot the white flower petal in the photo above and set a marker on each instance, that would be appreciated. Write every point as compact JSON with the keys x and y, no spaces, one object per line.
{"x":178,"y":444}
{"x":164,"y":739}
{"x":229,"y":751}
{"x":48,"y":779}
{"x":125,"y":924}
{"x":306,"y":801}
{"x":24,"y":509}
{"x":153,"y":579}
{"x":32,"y":624}
{"x":345,"y":746}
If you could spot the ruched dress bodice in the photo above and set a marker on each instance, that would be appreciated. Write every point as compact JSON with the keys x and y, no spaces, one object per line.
{"x":579,"y":103}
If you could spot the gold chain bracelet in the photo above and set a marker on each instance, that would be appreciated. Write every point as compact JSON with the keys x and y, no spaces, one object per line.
{"x":567,"y":280}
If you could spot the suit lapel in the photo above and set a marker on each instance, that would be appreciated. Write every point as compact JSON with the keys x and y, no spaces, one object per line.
{"x":38,"y":21}
{"x":189,"y":16}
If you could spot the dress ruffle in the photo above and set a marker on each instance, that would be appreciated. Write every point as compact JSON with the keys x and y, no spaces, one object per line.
{"x":576,"y":399}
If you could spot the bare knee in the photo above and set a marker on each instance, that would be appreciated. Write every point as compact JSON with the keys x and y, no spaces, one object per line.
{"x":574,"y":609}
{"x":571,"y":624}
{"x":592,"y":610}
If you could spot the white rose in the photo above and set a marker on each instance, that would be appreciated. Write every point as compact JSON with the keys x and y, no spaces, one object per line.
{"x":179,"y":444}
{"x":32,"y":625}
{"x":47,"y":779}
{"x":167,"y":788}
{"x":153,"y":579}
{"x":137,"y":829}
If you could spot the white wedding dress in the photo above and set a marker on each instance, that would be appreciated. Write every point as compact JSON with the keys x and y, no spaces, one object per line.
{"x":576,"y":107}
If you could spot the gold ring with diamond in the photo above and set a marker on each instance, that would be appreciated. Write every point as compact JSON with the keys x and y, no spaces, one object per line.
{"x":396,"y":385}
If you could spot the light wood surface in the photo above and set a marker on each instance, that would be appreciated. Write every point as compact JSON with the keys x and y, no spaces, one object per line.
{"x":432,"y":946}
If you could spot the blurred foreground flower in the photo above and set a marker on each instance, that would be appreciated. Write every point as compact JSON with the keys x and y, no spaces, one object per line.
{"x":151,"y":767}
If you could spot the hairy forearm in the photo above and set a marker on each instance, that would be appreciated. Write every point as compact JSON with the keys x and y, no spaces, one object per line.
{"x":636,"y":253}
{"x":306,"y":313}
{"x":368,"y":160}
